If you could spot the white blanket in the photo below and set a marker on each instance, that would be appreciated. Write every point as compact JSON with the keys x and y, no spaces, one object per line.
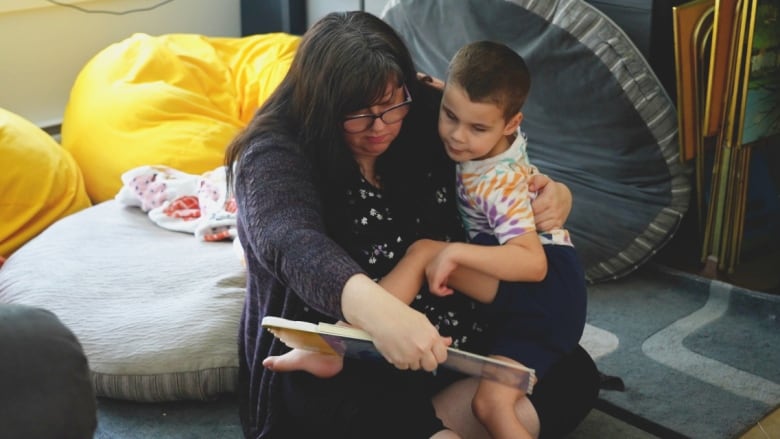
{"x":175,"y":200}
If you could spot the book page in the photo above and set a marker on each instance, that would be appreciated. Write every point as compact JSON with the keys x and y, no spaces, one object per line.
{"x":298,"y":335}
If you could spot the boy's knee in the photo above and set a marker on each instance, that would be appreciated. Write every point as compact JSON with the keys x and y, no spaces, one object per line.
{"x":47,"y":391}
{"x":485,"y":405}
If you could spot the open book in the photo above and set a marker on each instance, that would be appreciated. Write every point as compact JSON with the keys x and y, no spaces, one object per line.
{"x":356,"y":343}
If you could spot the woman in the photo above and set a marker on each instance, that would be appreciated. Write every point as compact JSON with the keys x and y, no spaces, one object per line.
{"x":337,"y":174}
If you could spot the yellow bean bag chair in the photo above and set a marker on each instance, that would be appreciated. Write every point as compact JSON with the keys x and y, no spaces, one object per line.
{"x":40,"y":182}
{"x":174,"y":100}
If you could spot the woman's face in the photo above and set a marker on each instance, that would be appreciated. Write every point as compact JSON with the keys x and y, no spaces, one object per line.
{"x":378,"y":125}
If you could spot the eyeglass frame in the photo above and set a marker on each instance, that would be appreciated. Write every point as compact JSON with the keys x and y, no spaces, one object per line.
{"x":380,"y":115}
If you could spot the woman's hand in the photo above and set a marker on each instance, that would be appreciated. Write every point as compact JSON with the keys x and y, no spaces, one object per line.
{"x":403,"y":335}
{"x":552,"y":204}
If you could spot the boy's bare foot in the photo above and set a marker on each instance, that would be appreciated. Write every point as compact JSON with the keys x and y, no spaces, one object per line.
{"x":317,"y":364}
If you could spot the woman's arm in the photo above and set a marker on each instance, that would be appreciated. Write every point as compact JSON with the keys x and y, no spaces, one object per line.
{"x":404,"y":336}
{"x":279,"y":208}
{"x":553,"y":202}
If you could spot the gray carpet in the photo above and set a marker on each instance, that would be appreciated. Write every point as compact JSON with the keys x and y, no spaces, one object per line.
{"x":698,"y":358}
{"x":168,"y":420}
{"x":218,"y":420}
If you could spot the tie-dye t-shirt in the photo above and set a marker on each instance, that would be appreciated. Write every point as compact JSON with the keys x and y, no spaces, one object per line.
{"x":493,"y":196}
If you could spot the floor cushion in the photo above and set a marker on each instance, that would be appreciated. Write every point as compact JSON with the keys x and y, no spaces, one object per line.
{"x":41,"y":182}
{"x":174,"y":100}
{"x":156,"y":311}
{"x":597,"y":117}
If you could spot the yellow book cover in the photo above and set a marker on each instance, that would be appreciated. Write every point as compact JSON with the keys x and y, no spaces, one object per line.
{"x":688,"y":28}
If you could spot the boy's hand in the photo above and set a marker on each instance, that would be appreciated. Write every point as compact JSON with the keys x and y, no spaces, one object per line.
{"x":438,"y":272}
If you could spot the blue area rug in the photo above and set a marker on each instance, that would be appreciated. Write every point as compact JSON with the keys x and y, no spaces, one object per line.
{"x":699,"y":358}
{"x":168,"y":420}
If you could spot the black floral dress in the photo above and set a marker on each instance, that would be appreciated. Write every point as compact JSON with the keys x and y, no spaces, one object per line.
{"x":378,"y":239}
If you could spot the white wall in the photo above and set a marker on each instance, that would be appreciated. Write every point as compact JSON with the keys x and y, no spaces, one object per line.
{"x":44,"y":46}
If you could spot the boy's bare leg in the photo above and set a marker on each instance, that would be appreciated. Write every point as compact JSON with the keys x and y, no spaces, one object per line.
{"x":407,"y":277}
{"x":494,"y":407}
{"x":454,"y":407}
{"x":316,"y":363}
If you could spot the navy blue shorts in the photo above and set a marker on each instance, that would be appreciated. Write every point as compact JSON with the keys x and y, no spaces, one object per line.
{"x":537,"y":323}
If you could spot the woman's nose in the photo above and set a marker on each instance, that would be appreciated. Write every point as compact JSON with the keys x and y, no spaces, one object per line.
{"x":378,"y":124}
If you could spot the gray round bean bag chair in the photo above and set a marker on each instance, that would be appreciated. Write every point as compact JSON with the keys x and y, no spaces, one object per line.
{"x":597,"y":117}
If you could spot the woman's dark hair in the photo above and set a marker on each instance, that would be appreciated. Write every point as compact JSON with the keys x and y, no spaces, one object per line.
{"x":343,"y":63}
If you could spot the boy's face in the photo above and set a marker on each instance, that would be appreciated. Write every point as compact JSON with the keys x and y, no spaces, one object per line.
{"x":473,"y":130}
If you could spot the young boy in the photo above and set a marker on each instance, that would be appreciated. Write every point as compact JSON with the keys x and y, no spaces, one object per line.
{"x":537,"y":314}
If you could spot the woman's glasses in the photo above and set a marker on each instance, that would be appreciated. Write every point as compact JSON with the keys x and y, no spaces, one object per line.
{"x":362,"y":122}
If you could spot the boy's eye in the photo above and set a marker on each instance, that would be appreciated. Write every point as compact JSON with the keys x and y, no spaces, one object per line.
{"x":480,"y":129}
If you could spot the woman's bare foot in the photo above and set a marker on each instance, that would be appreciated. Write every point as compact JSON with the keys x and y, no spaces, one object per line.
{"x":317,"y":364}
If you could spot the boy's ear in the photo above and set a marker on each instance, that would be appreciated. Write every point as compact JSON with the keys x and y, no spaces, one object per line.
{"x":513,"y":123}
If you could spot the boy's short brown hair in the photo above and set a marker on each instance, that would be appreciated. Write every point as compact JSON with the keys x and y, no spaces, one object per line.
{"x":491,"y":72}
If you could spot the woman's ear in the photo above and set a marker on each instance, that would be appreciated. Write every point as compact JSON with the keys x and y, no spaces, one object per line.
{"x":513,"y":123}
